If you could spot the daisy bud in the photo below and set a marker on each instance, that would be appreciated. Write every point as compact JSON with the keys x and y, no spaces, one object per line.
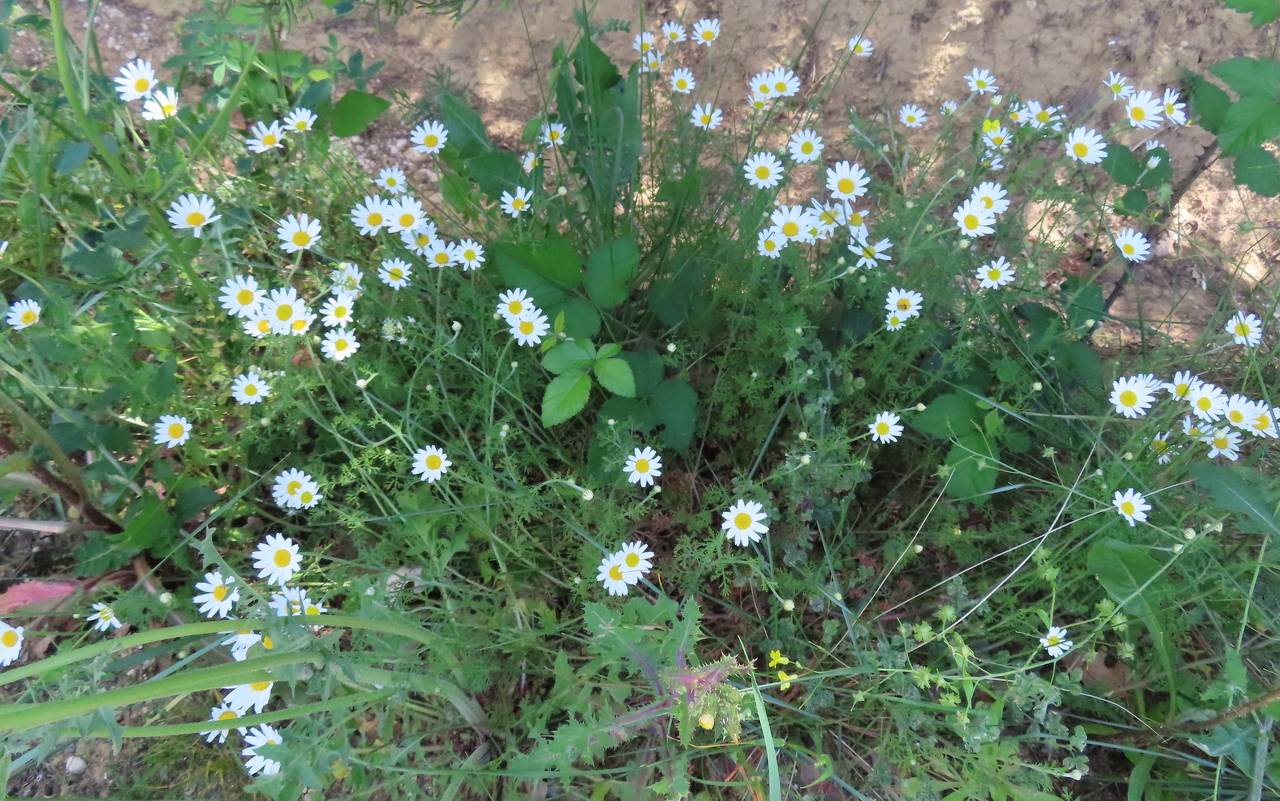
{"x":1153,"y":162}
{"x":802,"y":436}
{"x":809,"y":373}
{"x":456,"y":326}
{"x":514,"y":365}
{"x":707,"y":721}
{"x":1177,"y":547}
{"x":799,"y":330}
{"x":911,"y":204}
{"x":806,"y":459}
{"x":562,"y":191}
{"x":754,"y":375}
{"x":1216,"y":528}
{"x":919,"y":548}
{"x":1189,"y":533}
{"x":369,"y":591}
{"x":1090,"y":323}
{"x":840,"y":261}
{"x":611,"y":422}
{"x":587,"y":495}
{"x":957,"y":531}
{"x":862,"y":279}
{"x":920,"y":407}
{"x":671,"y":347}
{"x":959,"y":174}
{"x":788,"y":605}
{"x":1037,"y":386}
{"x":850,"y":270}
{"x":1098,"y":473}
{"x":1128,"y":456}
{"x":361,"y":383}
{"x":839,"y":596}
{"x":656,"y":489}
{"x":165,"y":598}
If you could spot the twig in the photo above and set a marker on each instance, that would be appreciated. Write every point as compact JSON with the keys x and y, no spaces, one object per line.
{"x":66,"y":491}
{"x":41,"y":526}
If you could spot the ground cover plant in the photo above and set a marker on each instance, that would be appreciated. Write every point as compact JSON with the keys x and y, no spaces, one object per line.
{"x":712,"y":441}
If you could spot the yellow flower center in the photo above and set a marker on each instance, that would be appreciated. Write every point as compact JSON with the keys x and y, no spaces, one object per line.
{"x":340,"y":344}
{"x":442,"y":258}
{"x":306,"y":497}
{"x":971,"y":221}
{"x":300,"y":125}
{"x":1052,"y":640}
{"x":292,"y":487}
{"x":762,"y":172}
{"x":708,"y":35}
{"x":1128,"y":398}
{"x":806,"y":147}
{"x":515,"y":307}
{"x":406,"y":220}
{"x":517,"y":203}
{"x":770,"y":245}
{"x":259,"y":686}
{"x":251,"y":389}
{"x":299,"y":324}
{"x":642,"y":465}
{"x":882,"y":428}
{"x":395,"y":273}
{"x":219,"y":592}
{"x":993,"y":274}
{"x":706,"y":119}
{"x":526,"y":327}
{"x":28,"y":317}
{"x":301,"y":238}
{"x":904,"y":304}
{"x":431,"y":140}
{"x":845,"y":185}
{"x":141,"y":85}
{"x":1203,"y":403}
{"x":434,"y":462}
{"x":168,"y":109}
{"x":9,"y":638}
{"x":245,"y":296}
{"x":175,"y":430}
{"x":1138,"y":113}
{"x":268,"y":643}
{"x":780,"y":87}
{"x":1126,"y":507}
{"x":633,"y":559}
{"x":681,"y":83}
{"x":284,"y":311}
{"x":1235,"y":416}
{"x":615,"y":572}
{"x":1080,"y":149}
{"x":1127,"y":248}
{"x":269,"y":139}
{"x":282,"y":557}
{"x":1242,"y":330}
{"x":790,"y":228}
{"x":989,"y":202}
{"x":742,"y":520}
{"x":374,"y":218}
{"x":468,"y":255}
{"x":1220,"y":443}
{"x":228,"y":714}
{"x":391,"y":182}
{"x":264,"y":325}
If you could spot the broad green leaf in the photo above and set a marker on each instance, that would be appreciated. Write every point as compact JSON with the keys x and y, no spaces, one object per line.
{"x":1257,"y":169}
{"x":1152,"y":177}
{"x":1250,"y":76}
{"x":608,"y":351}
{"x":1121,"y":164}
{"x":1242,"y":491}
{"x":615,"y":376}
{"x":1262,"y":11}
{"x":547,"y":270}
{"x":610,"y":270}
{"x":948,"y":415}
{"x":1084,"y":300}
{"x":674,"y":405}
{"x":1132,"y":203}
{"x":355,"y":112}
{"x":1208,"y":102}
{"x":1249,"y":122}
{"x":646,"y":366}
{"x":495,"y":172}
{"x":1131,"y":576}
{"x":466,"y":130}
{"x":565,"y":396}
{"x":581,"y":320}
{"x":568,"y":356}
{"x":974,"y":463}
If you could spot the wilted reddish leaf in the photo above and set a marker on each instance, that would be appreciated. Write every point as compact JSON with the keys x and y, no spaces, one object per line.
{"x":36,"y":596}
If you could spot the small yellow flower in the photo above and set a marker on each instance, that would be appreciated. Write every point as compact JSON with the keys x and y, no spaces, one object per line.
{"x":776,"y":658}
{"x":785,"y":678}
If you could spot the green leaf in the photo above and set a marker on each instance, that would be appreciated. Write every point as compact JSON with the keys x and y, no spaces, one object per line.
{"x":1257,"y":169}
{"x":1249,"y":122}
{"x":1132,"y":578}
{"x":567,"y":356}
{"x":615,"y":376}
{"x":1084,"y":300}
{"x":1250,"y":76}
{"x":1121,"y":164}
{"x":466,"y":130}
{"x":948,"y":415}
{"x":974,"y":462}
{"x":548,"y":270}
{"x":581,"y":320}
{"x":1132,"y":203}
{"x":73,"y":155}
{"x":1209,"y":103}
{"x":495,"y":172}
{"x":149,"y":525}
{"x":355,"y":112}
{"x":674,"y":404}
{"x":565,"y":396}
{"x":1152,"y":177}
{"x":1239,"y":490}
{"x":1262,"y":11}
{"x":646,"y":366}
{"x":610,"y":270}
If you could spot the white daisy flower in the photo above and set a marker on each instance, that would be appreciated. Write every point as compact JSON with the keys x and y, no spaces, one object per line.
{"x":104,"y":618}
{"x":1207,"y":402}
{"x":612,"y":574}
{"x":644,"y":42}
{"x":529,"y":162}
{"x":392,"y":179}
{"x":339,"y":344}
{"x":993,"y":197}
{"x":430,"y":463}
{"x":516,"y":204}
{"x":790,"y":221}
{"x":248,"y":389}
{"x":1224,"y":442}
{"x":894,"y":321}
{"x":192,"y":212}
{"x":846,"y":181}
{"x":1132,"y":396}
{"x":744,"y":522}
{"x":1118,"y":85}
{"x":705,"y":116}
{"x":904,"y":302}
{"x":763,"y":170}
{"x":370,"y":215}
{"x":637,"y":561}
{"x":171,"y":430}
{"x":513,"y":303}
{"x":974,"y":219}
{"x":1086,"y":146}
{"x":805,"y":146}
{"x":297,"y":232}
{"x":643,"y":466}
{"x":673,"y":32}
{"x":429,"y":137}
{"x":856,"y":221}
{"x":240,"y":296}
{"x":245,"y":697}
{"x":1239,"y":411}
{"x":221,"y":713}
{"x":706,"y":31}
{"x":440,"y":254}
{"x":861,"y":46}
{"x":1161,"y":447}
{"x":283,"y":308}
{"x":257,"y":323}
{"x":981,"y":81}
{"x":264,"y":137}
{"x":1143,"y":110}
{"x":420,"y":239}
{"x":1245,"y":329}
{"x":869,"y":255}
{"x":404,"y":214}
{"x":912,"y":116}
{"x":160,"y":105}
{"x":337,"y":310}
{"x":277,"y":559}
{"x":10,"y":643}
{"x":886,"y":428}
{"x":1055,"y":642}
{"x":1132,"y":245}
{"x":1132,"y":506}
{"x":529,"y":327}
{"x":1182,"y":385}
{"x":1173,"y":110}
{"x":682,"y":81}
{"x":346,"y":278}
{"x":470,"y":254}
{"x":300,"y":120}
{"x":136,"y":80}
{"x":23,"y":314}
{"x":995,"y":274}
{"x":771,"y":243}
{"x":395,"y":273}
{"x":257,"y":737}
{"x":217,"y":595}
{"x":290,"y":601}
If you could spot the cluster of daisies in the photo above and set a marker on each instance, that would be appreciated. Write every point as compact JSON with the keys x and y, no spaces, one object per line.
{"x":651,"y":47}
{"x":137,"y":82}
{"x":1213,"y":417}
{"x":527,"y":323}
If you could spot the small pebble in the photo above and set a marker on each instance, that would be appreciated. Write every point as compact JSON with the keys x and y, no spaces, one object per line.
{"x":75,"y":765}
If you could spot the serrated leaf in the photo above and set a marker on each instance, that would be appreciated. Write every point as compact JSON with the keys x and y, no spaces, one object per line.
{"x":1249,"y":122}
{"x":1261,"y":11}
{"x":615,"y":375}
{"x":466,"y":130}
{"x":1121,"y":164}
{"x":568,"y":356}
{"x":1250,"y":76}
{"x":610,"y":270}
{"x":1132,"y":203}
{"x":1257,"y":169}
{"x":564,"y":397}
{"x":1208,"y":102}
{"x":355,"y":112}
{"x":1239,"y":490}
{"x":948,"y":415}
